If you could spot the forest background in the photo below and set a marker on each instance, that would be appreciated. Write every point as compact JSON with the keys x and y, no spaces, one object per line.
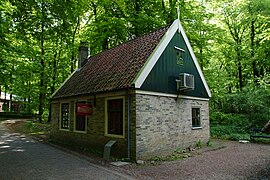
{"x":39,"y":42}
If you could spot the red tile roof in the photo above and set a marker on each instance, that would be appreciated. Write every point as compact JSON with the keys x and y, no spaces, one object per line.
{"x":112,"y":69}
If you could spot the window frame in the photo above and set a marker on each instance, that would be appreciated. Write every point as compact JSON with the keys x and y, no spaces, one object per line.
{"x":179,"y":56}
{"x":194,"y":126}
{"x":75,"y":117}
{"x":106,"y":117}
{"x":60,"y":117}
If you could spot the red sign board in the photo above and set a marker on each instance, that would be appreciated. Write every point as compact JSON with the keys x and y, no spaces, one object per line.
{"x":83,"y":109}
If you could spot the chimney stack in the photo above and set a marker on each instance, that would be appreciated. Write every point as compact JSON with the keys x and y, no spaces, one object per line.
{"x":83,"y":54}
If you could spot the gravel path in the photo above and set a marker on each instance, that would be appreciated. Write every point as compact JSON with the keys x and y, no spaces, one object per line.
{"x":235,"y":161}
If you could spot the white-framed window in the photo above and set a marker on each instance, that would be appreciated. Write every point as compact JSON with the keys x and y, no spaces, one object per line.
{"x":64,"y":116}
{"x":80,"y":124}
{"x":196,"y":117}
{"x":115,"y":117}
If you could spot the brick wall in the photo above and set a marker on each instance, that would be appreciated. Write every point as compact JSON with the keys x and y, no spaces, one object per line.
{"x":94,"y":138}
{"x":159,"y":125}
{"x":163,"y":125}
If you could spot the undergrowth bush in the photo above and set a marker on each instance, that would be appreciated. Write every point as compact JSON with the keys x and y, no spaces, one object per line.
{"x":233,"y":115}
{"x":230,"y":132}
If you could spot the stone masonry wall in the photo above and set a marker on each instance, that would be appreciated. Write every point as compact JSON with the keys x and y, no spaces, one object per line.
{"x":163,"y":124}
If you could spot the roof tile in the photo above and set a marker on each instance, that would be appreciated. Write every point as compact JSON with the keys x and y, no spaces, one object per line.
{"x":113,"y":69}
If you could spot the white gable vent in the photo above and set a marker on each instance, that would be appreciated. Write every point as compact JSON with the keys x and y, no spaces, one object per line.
{"x":185,"y":82}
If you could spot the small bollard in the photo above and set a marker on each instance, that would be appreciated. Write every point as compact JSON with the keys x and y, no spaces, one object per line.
{"x":107,"y":150}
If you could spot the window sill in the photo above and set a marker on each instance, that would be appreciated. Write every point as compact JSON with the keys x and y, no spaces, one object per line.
{"x":63,"y":129}
{"x":195,"y":128}
{"x":83,"y":132}
{"x":115,"y":136}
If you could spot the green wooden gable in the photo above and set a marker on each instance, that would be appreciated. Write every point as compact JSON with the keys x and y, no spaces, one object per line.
{"x":173,"y":56}
{"x":171,"y":63}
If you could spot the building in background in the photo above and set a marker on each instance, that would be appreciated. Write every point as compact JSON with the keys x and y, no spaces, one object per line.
{"x":10,"y":102}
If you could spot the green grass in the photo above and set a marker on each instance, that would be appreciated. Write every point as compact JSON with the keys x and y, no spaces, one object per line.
{"x":35,"y":128}
{"x":3,"y":119}
{"x":31,"y":128}
{"x":15,"y":115}
{"x":262,"y":140}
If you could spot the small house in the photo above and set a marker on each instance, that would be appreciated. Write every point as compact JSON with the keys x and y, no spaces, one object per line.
{"x":148,"y":94}
{"x":10,"y":102}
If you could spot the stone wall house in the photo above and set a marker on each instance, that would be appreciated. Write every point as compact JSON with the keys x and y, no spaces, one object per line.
{"x":149,"y":95}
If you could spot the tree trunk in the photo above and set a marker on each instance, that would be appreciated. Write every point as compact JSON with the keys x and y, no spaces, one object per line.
{"x":252,"y":52}
{"x":164,"y":8}
{"x":41,"y":93}
{"x":201,"y":58}
{"x":11,"y":96}
{"x":52,"y":87}
{"x":137,"y":12}
{"x":11,"y":99}
{"x":5,"y":100}
{"x":42,"y":86}
{"x":24,"y":105}
{"x":105,"y":44}
{"x":28,"y":109}
{"x":170,"y":14}
{"x":240,"y":73}
{"x":73,"y":55}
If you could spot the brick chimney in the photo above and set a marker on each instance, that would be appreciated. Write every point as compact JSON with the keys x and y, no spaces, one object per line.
{"x":83,"y":54}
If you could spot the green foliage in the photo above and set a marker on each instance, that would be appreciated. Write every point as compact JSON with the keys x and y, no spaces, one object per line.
{"x":234,"y":115}
{"x":248,"y":108}
{"x":29,"y":125}
{"x":230,"y":132}
{"x":209,"y":143}
{"x":180,"y":150}
{"x":39,"y":42}
{"x":34,"y":128}
{"x":3,"y":119}
{"x":13,"y":115}
{"x":199,"y":144}
{"x":172,"y":157}
{"x":236,"y":120}
{"x":157,"y":159}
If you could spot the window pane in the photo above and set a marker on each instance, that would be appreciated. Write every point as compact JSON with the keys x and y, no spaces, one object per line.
{"x":65,"y":116}
{"x":179,"y":58}
{"x":196,"y":122}
{"x":80,"y":123}
{"x":115,"y":116}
